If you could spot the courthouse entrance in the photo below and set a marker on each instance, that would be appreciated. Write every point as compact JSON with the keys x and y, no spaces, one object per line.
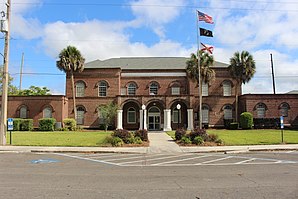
{"x":154,"y":119}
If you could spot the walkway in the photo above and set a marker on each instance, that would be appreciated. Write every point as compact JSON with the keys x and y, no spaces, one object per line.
{"x":160,"y":142}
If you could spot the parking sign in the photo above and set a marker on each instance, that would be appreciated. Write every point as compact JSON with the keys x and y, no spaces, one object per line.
{"x":9,"y":124}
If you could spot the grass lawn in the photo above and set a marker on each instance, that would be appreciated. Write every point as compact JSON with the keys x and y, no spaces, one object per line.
{"x":253,"y":137}
{"x":58,"y":138}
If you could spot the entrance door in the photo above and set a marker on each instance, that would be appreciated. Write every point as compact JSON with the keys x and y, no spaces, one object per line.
{"x":154,"y":119}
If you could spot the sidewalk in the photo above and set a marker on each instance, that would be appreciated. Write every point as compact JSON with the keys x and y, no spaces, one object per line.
{"x":160,"y":142}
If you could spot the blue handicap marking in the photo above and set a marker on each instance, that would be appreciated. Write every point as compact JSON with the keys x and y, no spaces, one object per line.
{"x":43,"y":161}
{"x":10,"y":124}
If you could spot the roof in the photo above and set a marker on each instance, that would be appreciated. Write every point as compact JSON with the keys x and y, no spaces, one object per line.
{"x":293,"y":92}
{"x":151,"y":63}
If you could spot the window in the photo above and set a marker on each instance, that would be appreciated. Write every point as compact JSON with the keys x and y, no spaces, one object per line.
{"x":227,"y":91}
{"x":228,"y":112}
{"x":175,"y":90}
{"x":205,"y":114}
{"x":131,"y":116}
{"x":102,"y":88}
{"x":80,"y":115}
{"x":205,"y":89}
{"x":153,"y":88}
{"x":261,"y":109}
{"x":23,"y":112}
{"x":100,"y":117}
{"x":284,"y":109}
{"x":80,"y":89}
{"x":176,"y":116}
{"x":47,"y":112}
{"x":131,"y":89}
{"x":123,"y":91}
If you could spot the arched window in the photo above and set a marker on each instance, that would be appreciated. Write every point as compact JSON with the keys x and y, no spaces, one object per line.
{"x":131,"y":88}
{"x":228,"y":112}
{"x":102,"y":88}
{"x":284,"y":109}
{"x":261,"y":110}
{"x":153,"y":89}
{"x":80,"y":89}
{"x":205,"y":114}
{"x":47,"y":112}
{"x":205,"y":89}
{"x":131,"y":116}
{"x":227,"y":88}
{"x":23,"y":112}
{"x":176,"y":115}
{"x":80,"y":115}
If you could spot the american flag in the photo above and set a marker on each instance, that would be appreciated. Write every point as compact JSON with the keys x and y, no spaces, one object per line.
{"x":205,"y":17}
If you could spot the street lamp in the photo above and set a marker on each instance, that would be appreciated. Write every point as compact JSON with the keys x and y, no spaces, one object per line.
{"x":143,"y":108}
{"x":178,"y":108}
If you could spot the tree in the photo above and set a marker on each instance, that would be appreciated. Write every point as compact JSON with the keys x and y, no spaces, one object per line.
{"x":34,"y":90}
{"x":71,"y":61}
{"x":242,"y":68}
{"x":108,"y":113}
{"x":12,"y":90}
{"x":203,"y":74}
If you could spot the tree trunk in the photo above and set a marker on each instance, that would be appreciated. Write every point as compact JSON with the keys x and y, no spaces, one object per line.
{"x":73,"y":96}
{"x":236,"y":102}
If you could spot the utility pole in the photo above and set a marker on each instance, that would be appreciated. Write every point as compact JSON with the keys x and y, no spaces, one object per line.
{"x":21,"y":71}
{"x":3,"y":126}
{"x":273,"y":79}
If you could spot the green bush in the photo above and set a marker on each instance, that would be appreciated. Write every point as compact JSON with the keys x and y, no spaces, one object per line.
{"x":246,"y":120}
{"x":234,"y":126}
{"x":135,"y":140}
{"x":16,"y":124}
{"x":179,"y":133}
{"x":116,"y":141}
{"x":198,"y":132}
{"x":212,"y":138}
{"x":26,"y":125}
{"x":185,"y":140}
{"x":46,"y":124}
{"x":198,"y":140}
{"x":125,"y":135}
{"x":143,"y":134}
{"x":70,"y":124}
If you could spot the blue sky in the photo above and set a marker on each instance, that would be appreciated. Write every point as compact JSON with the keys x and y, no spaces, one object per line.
{"x":116,"y":28}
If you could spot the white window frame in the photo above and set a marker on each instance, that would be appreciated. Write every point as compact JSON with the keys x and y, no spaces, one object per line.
{"x":227,"y":88}
{"x":131,"y":112}
{"x":102,"y":89}
{"x":80,"y":89}
{"x":175,"y":90}
{"x":131,"y":89}
{"x":205,"y":115}
{"x":23,"y":112}
{"x":153,"y":88}
{"x":47,"y":112}
{"x":80,"y":115}
{"x":284,"y":109}
{"x":261,"y":111}
{"x":205,"y":89}
{"x":228,"y":112}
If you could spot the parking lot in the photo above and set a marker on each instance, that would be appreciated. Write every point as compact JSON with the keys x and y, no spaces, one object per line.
{"x":188,"y":159}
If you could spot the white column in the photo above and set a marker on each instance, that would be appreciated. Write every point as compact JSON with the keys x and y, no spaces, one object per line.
{"x":167,"y":120}
{"x":141,"y":119}
{"x":189,"y":119}
{"x":119,"y":119}
{"x":145,"y":119}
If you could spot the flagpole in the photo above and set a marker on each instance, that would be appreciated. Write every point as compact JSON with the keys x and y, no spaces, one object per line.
{"x":199,"y":71}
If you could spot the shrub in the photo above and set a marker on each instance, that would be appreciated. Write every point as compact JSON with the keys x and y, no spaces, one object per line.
{"x":70,"y":124}
{"x":198,"y":140}
{"x":26,"y":125}
{"x":16,"y":124}
{"x":212,"y":138}
{"x":234,"y":126}
{"x":135,"y":140}
{"x":125,"y":135}
{"x":198,"y":132}
{"x":46,"y":124}
{"x":246,"y":120}
{"x":227,"y":123}
{"x":179,"y":133}
{"x":116,"y":141}
{"x":185,"y":140}
{"x":143,"y":134}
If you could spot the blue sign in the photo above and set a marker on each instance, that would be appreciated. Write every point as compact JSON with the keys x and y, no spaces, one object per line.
{"x":281,"y":122}
{"x":10,"y":124}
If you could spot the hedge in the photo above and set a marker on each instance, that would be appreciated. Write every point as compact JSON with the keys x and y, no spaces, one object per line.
{"x":46,"y":124}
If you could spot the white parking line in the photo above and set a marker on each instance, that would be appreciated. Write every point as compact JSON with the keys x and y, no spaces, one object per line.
{"x":245,"y":161}
{"x":134,"y":157}
{"x":169,"y":162}
{"x":216,"y":160}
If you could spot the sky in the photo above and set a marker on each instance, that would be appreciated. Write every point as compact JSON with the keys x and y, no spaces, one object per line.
{"x":103,"y":29}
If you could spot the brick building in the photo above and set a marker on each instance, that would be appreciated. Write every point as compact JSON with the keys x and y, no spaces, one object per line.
{"x":147,"y":91}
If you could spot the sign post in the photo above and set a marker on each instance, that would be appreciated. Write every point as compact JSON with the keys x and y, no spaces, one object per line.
{"x":10,"y":128}
{"x":282,"y":128}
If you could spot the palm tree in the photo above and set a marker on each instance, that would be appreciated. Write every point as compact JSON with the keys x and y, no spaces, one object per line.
{"x":242,"y":68}
{"x":71,"y":61}
{"x":203,"y":74}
